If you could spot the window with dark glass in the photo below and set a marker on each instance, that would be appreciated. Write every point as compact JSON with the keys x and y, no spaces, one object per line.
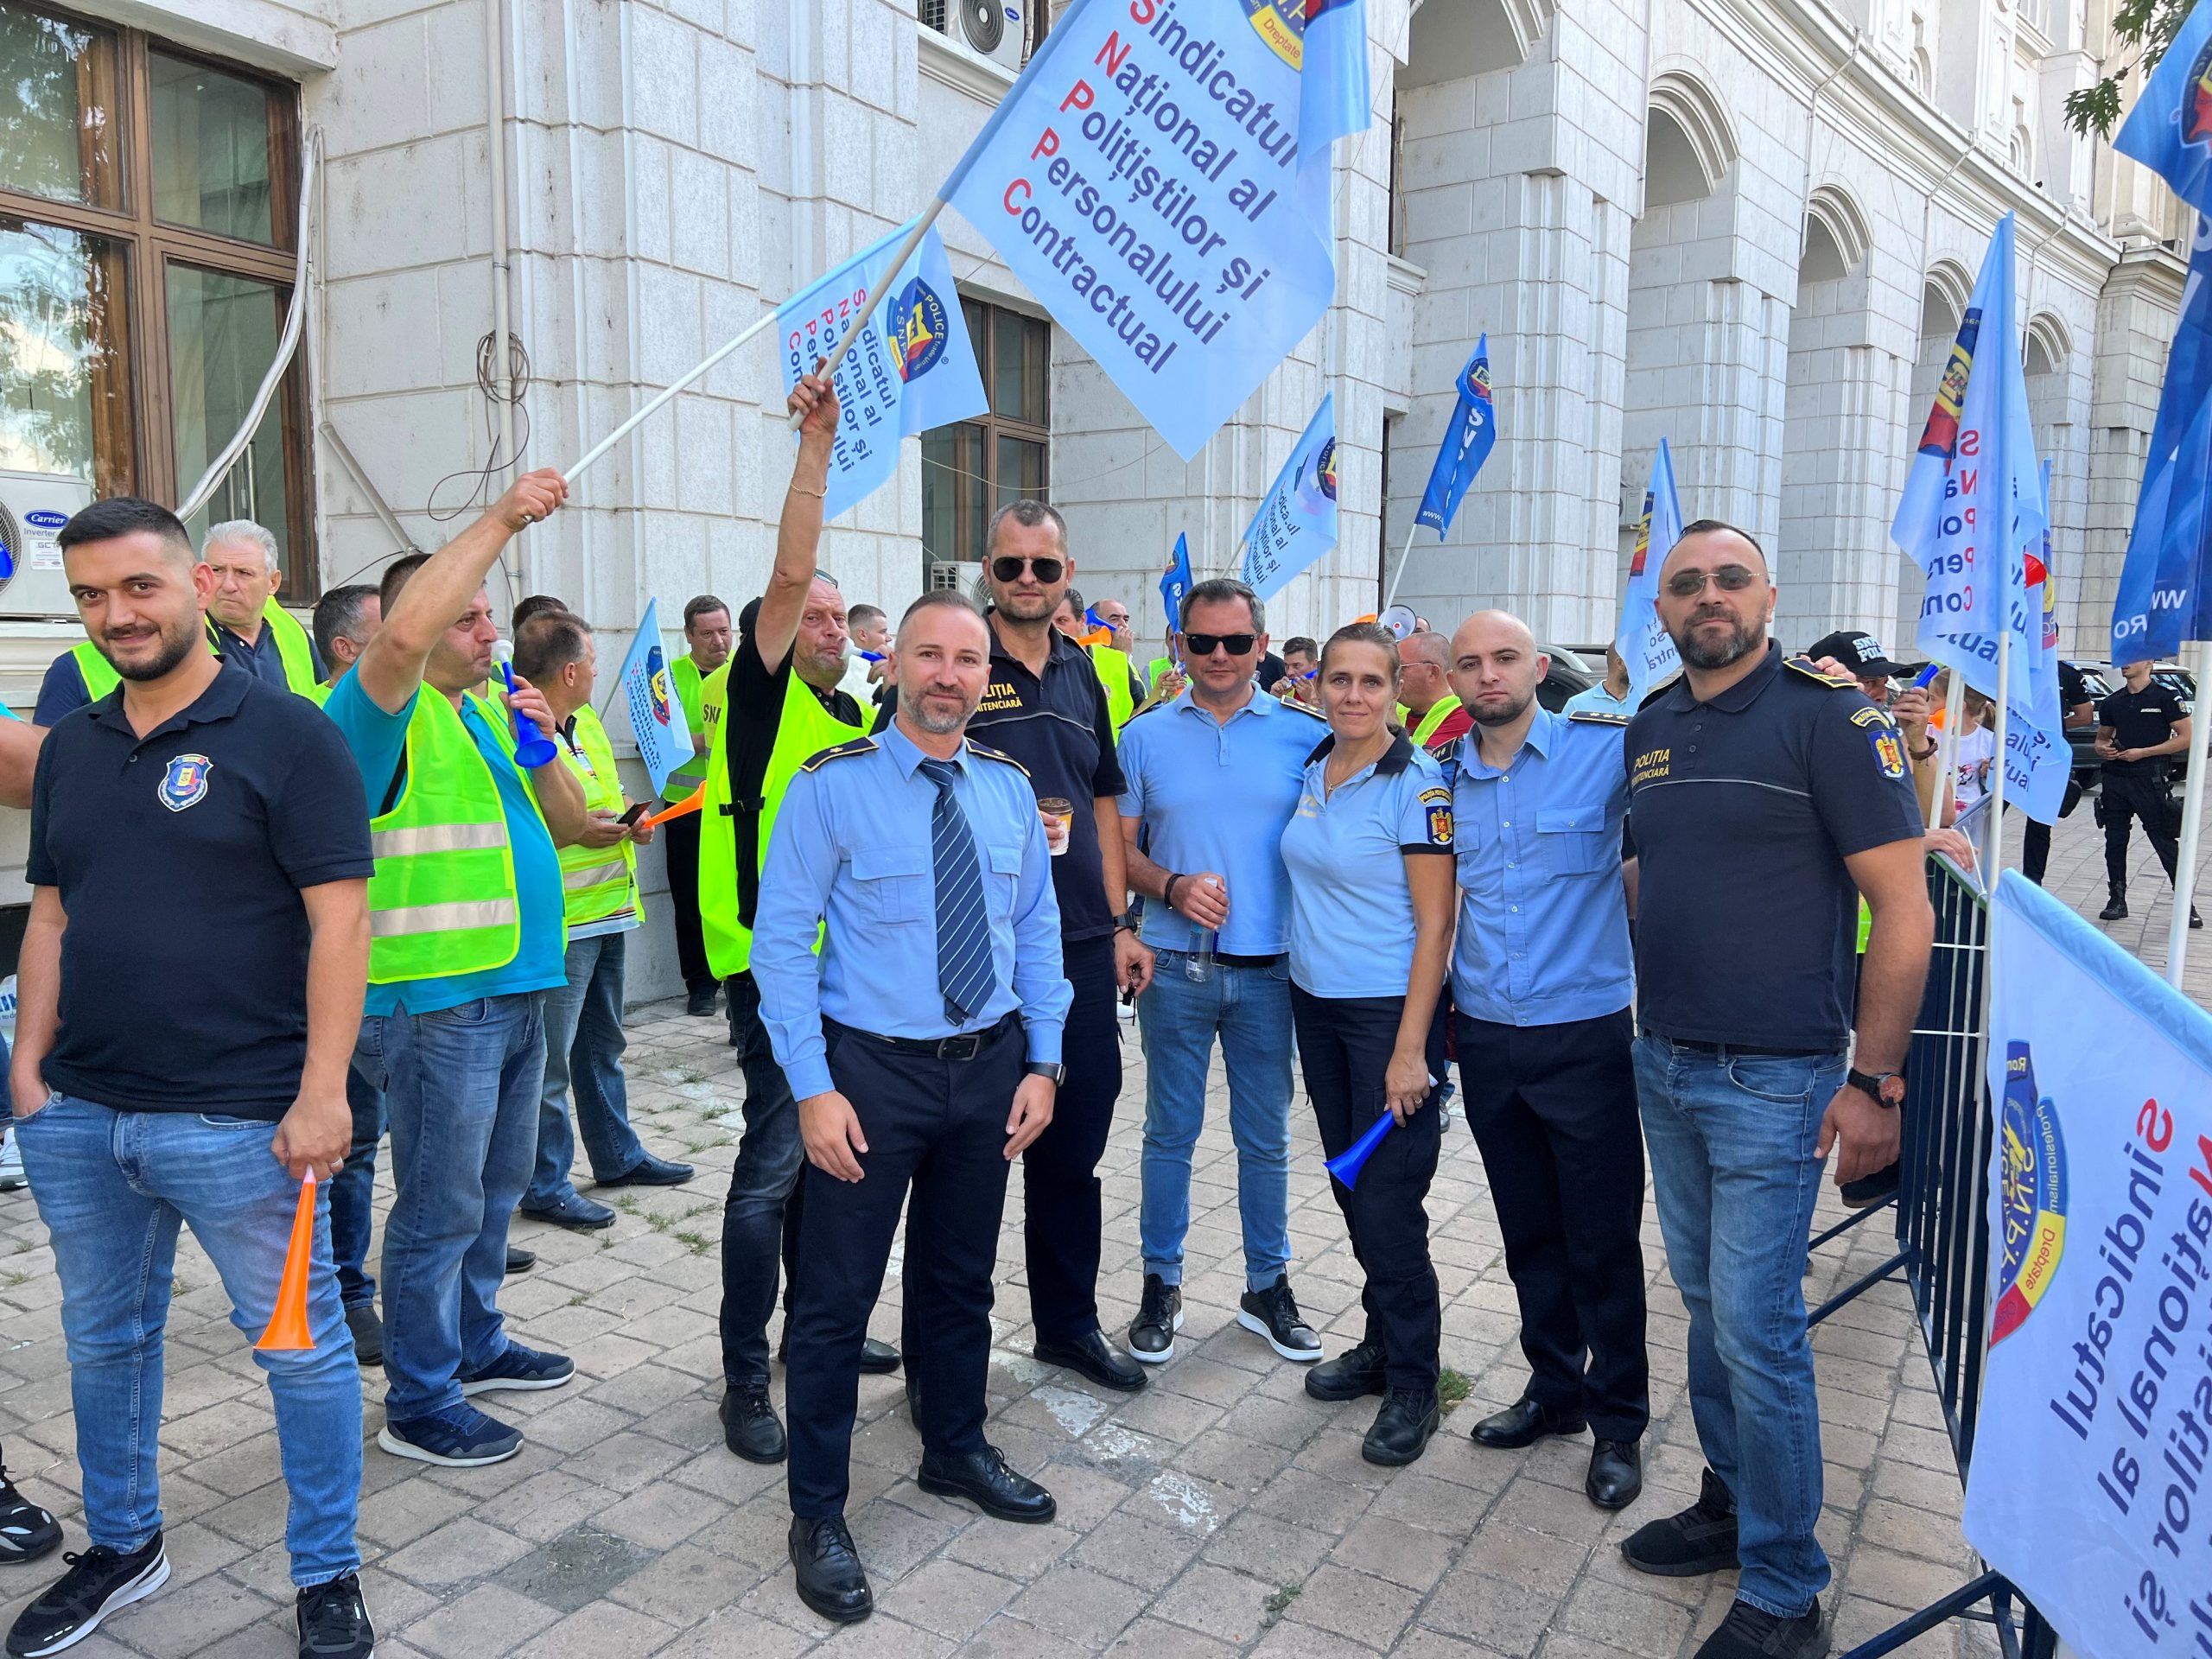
{"x":141,"y":181}
{"x":972,"y":469}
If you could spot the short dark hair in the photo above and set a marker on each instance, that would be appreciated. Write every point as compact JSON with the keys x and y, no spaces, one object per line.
{"x":395,"y":578}
{"x":548,"y":641}
{"x":861,"y":616}
{"x":1028,"y":513}
{"x":1299,"y":644}
{"x":1707,"y":526}
{"x":1363,"y":634}
{"x":1074,"y":597}
{"x":700,"y":605}
{"x":939,"y":598}
{"x":1218,"y":591}
{"x":535,"y":604}
{"x":338,"y":614}
{"x":125,"y":515}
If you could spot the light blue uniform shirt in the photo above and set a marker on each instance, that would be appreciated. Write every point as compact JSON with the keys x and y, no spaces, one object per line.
{"x":1543,"y":913}
{"x":377,"y":740}
{"x":1352,"y":909}
{"x":852,"y":849}
{"x":1597,"y":698}
{"x":1216,"y":796}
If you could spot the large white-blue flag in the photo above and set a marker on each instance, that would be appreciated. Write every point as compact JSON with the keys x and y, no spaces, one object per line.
{"x":1159,"y":179}
{"x":912,"y":367}
{"x":1645,"y":647}
{"x":655,"y":713}
{"x":1297,"y":523}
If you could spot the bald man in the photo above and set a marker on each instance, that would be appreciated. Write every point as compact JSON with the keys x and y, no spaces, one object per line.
{"x":1542,"y":978}
{"x":1746,"y":1071}
{"x":1428,"y":708}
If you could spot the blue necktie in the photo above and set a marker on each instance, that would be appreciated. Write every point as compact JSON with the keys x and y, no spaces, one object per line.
{"x":964,"y":973}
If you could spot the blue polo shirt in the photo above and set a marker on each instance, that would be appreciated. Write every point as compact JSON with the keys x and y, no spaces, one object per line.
{"x":1352,"y":908}
{"x":1543,"y":913}
{"x":1215,"y":795}
{"x":379,"y":741}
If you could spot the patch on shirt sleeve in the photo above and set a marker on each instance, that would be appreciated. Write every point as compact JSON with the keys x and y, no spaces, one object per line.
{"x":1438,"y":803}
{"x":1888,"y":753}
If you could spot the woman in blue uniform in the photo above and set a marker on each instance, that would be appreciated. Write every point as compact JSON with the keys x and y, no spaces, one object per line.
{"x":1372,"y":901}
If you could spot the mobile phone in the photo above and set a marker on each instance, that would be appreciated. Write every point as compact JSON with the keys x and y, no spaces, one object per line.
{"x":634,"y":813}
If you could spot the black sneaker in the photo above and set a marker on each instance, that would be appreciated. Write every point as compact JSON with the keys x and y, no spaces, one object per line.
{"x":1272,"y":1313}
{"x":461,"y":1438}
{"x":1159,"y":1316}
{"x":368,"y":1332}
{"x":1752,"y":1632}
{"x":28,"y":1533}
{"x":1701,"y":1539}
{"x":98,"y":1582}
{"x":333,"y":1622}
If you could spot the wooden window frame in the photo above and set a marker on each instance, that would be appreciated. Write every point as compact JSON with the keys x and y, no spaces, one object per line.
{"x":151,"y":246}
{"x":991,"y":424}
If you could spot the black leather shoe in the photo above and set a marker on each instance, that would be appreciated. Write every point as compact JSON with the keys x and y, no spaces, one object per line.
{"x":985,"y":1480}
{"x":699,"y":1001}
{"x":831,"y":1580}
{"x":1401,"y":1428}
{"x":650,"y":1171}
{"x":1523,"y":1424}
{"x":1616,"y":1476}
{"x":1354,"y":1372}
{"x":1701,"y":1539}
{"x":1091,"y":1355}
{"x":877,"y":1358}
{"x":573,"y":1210}
{"x":750,"y":1427}
{"x":520,"y":1261}
{"x":2115,"y":909}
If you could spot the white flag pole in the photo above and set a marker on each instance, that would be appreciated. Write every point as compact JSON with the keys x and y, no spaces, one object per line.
{"x":1954,"y":704}
{"x":662,"y":398}
{"x":906,"y":251}
{"x":1995,"y":819}
{"x":1390,"y":594}
{"x":2192,"y":823}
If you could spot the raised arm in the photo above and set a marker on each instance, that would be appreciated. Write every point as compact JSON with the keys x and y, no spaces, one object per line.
{"x":798,"y":533}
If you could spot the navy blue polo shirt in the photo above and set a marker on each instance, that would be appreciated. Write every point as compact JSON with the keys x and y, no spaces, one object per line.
{"x":179,"y":859}
{"x":1743,"y":810}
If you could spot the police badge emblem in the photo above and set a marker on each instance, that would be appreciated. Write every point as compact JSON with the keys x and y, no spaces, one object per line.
{"x":185,"y":782}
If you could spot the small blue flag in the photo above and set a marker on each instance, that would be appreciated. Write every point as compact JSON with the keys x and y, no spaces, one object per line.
{"x":2170,"y":129}
{"x":1178,"y":582}
{"x":1468,"y":439}
{"x":1645,"y":647}
{"x":1297,"y":523}
{"x":656,"y":713}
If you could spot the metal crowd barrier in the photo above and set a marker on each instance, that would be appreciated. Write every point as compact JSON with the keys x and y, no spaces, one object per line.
{"x":1942,"y":1210}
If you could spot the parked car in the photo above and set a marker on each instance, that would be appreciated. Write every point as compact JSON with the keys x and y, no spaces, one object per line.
{"x":1569,"y":675}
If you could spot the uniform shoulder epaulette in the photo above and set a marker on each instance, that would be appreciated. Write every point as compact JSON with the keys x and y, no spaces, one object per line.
{"x":989,"y":754}
{"x":1597,"y":717}
{"x":1818,"y":676}
{"x":1311,"y":714}
{"x":857,"y":745}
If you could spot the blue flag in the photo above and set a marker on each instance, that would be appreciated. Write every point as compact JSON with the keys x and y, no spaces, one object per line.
{"x":1159,"y":178}
{"x":1645,"y":647}
{"x":1297,"y":523}
{"x":1177,"y":582}
{"x":2170,"y":129}
{"x":2038,"y":758}
{"x":912,"y":368}
{"x":1468,"y":439}
{"x":656,"y":713}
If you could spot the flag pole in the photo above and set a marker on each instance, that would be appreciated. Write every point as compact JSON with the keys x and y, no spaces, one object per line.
{"x":1996,"y":816}
{"x":2192,"y":830}
{"x":898,"y":258}
{"x":662,"y":398}
{"x":1390,"y":594}
{"x":1955,"y":702}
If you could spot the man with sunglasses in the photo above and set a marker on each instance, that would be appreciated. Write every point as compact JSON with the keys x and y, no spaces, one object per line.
{"x":1213,"y":778}
{"x":1745,"y":1070}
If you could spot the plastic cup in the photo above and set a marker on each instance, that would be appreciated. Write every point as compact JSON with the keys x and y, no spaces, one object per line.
{"x":1060,"y":822}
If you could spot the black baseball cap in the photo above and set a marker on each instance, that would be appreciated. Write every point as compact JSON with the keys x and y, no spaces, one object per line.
{"x":1862,"y":653}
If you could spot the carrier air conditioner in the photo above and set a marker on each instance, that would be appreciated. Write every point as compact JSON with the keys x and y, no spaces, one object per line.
{"x":992,"y":29}
{"x":33,"y":508}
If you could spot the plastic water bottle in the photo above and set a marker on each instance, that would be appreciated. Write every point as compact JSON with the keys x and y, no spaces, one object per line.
{"x":1199,"y":965}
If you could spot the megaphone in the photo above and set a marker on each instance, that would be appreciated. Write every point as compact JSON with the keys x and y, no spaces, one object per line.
{"x":288,"y":1331}
{"x":1346,"y":1165}
{"x":1400,"y":620}
{"x":532,"y":747}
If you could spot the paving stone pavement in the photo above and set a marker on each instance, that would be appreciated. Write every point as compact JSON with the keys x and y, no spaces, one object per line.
{"x":1220,"y":1511}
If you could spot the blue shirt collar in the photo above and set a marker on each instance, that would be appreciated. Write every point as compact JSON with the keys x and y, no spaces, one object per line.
{"x":1395,"y":759}
{"x":1543,"y":732}
{"x":907,"y":755}
{"x":1259,"y":703}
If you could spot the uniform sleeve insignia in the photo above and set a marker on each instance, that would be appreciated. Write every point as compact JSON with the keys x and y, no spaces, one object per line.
{"x":1870,"y":716}
{"x":857,"y":745}
{"x":1597,"y":717}
{"x":1819,"y":677}
{"x":974,"y":748}
{"x":1438,"y":803}
{"x":1888,"y":753}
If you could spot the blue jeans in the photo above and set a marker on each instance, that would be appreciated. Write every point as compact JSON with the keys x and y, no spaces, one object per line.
{"x":462,"y":1097}
{"x":113,"y":1188}
{"x":352,"y":1189}
{"x":583,"y":1048}
{"x":1179,"y":1017}
{"x":1733,"y":1169}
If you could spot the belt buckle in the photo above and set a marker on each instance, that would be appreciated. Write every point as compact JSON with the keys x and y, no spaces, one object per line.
{"x":962,"y":1047}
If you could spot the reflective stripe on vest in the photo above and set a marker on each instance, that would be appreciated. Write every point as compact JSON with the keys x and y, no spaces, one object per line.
{"x":803,"y":729}
{"x":442,"y":900}
{"x":686,"y":779}
{"x":1439,"y":711}
{"x":1113,"y":668}
{"x":596,"y":882}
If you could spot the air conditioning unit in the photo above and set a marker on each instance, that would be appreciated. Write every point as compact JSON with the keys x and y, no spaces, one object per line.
{"x":946,"y":577}
{"x":33,"y":508}
{"x":993,"y":29}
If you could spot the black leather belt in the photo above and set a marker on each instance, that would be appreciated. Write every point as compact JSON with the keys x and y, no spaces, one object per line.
{"x":966,"y":1046}
{"x":1751,"y":1050}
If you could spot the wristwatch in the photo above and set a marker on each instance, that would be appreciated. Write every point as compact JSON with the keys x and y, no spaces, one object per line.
{"x":1127,"y":919}
{"x":1053,"y":1070}
{"x":1884,"y":1089}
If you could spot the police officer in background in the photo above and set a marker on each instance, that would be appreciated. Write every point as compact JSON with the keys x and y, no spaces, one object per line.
{"x":2138,"y":728}
{"x":1544,"y":983}
{"x":707,"y":633}
{"x":923,"y":1044}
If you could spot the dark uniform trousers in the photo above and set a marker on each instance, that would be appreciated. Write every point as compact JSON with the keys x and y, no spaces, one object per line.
{"x":1062,"y":1207}
{"x":760,"y":1213}
{"x":683,"y":837}
{"x":938,"y":1126}
{"x":1344,"y":1045}
{"x":2130,"y":795}
{"x":1552,"y":1108}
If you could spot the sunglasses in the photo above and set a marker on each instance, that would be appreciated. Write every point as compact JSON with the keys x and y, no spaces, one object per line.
{"x":1008,"y":567}
{"x":1205,"y":644}
{"x":1729,"y":578}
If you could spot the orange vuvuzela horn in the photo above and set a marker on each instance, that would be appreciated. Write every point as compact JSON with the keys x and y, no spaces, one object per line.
{"x":288,"y":1331}
{"x":691,"y":802}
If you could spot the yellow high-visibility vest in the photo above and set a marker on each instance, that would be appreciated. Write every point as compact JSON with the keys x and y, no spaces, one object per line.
{"x":596,"y":882}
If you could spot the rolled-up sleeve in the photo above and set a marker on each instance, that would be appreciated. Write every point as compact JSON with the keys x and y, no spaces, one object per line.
{"x":803,"y":861}
{"x":1040,"y":980}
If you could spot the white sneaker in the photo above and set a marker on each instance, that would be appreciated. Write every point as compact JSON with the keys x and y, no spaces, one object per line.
{"x":12,"y":1178}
